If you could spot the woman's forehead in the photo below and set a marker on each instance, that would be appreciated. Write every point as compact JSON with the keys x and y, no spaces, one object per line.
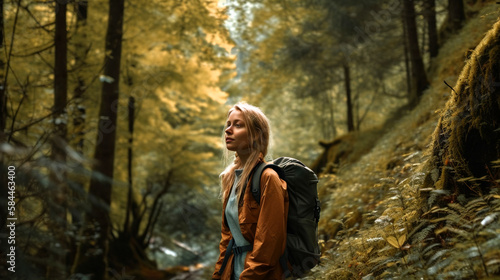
{"x":235,"y":115}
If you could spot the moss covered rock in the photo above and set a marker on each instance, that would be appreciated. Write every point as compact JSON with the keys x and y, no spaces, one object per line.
{"x":467,"y":139}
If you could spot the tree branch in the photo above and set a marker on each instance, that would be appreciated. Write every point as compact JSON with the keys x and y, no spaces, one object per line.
{"x":11,"y":43}
{"x":35,"y":52}
{"x":26,"y":8}
{"x":150,"y":224}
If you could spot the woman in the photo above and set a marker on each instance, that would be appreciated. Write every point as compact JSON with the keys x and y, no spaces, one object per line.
{"x":259,"y":230}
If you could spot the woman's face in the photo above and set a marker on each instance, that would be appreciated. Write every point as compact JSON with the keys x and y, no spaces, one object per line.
{"x":236,"y":133}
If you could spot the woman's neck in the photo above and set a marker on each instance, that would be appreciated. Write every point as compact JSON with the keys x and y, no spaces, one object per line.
{"x":243,"y":159}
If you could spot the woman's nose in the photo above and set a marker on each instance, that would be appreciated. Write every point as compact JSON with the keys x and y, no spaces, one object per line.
{"x":229,"y":130}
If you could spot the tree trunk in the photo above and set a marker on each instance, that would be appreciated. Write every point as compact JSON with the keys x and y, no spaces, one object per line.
{"x":347,"y":82}
{"x":407,"y":58}
{"x":79,"y":109}
{"x":456,"y":14}
{"x":418,"y":75}
{"x":430,"y":15}
{"x":3,"y":161}
{"x":3,"y":95}
{"x":78,"y":134}
{"x":100,"y":188}
{"x":60,"y":79}
{"x":422,"y":43}
{"x":82,"y":11}
{"x":131,"y":113}
{"x":57,"y":266}
{"x":331,"y":113}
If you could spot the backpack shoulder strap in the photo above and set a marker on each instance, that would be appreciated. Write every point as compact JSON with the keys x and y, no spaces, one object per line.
{"x":258,"y":173}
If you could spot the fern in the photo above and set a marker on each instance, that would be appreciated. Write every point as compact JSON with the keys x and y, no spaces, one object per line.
{"x":383,"y":263}
{"x":420,"y":236}
{"x":435,"y":269}
{"x":472,"y":239}
{"x":476,"y":205}
{"x":429,"y":249}
{"x":457,"y":274}
{"x":414,"y":257}
{"x":457,"y":207}
{"x":435,"y":194}
{"x":439,"y":254}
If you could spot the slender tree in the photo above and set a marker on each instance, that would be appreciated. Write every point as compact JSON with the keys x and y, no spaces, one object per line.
{"x":131,"y":114}
{"x":57,"y":268}
{"x":406,"y":56}
{"x":347,"y":83}
{"x":430,"y":15}
{"x":3,"y":96}
{"x":3,"y":117}
{"x":456,"y":14}
{"x":60,"y":78}
{"x":78,"y":114}
{"x":81,"y":50}
{"x":419,"y":80}
{"x":100,"y":188}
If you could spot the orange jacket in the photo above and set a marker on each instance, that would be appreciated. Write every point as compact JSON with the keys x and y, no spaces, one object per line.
{"x":264,"y":226}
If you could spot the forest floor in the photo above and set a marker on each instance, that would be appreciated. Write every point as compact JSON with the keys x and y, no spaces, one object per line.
{"x":370,"y":207}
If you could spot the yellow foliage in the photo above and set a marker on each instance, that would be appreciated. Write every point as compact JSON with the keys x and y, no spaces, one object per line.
{"x":397,"y":242}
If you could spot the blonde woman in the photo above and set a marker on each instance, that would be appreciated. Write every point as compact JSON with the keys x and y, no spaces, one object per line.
{"x":253,"y":234}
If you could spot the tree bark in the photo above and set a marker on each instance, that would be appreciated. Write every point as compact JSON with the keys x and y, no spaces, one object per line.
{"x":347,"y":82}
{"x":418,"y":75}
{"x":57,"y":267}
{"x":100,"y":188}
{"x":430,"y":15}
{"x":3,"y":96}
{"x":79,"y":109}
{"x":82,"y":11}
{"x":131,"y":113}
{"x":3,"y":119}
{"x":328,"y":126}
{"x":3,"y":161}
{"x":407,"y":58}
{"x":78,"y":133}
{"x":456,"y":14}
{"x":60,"y":77}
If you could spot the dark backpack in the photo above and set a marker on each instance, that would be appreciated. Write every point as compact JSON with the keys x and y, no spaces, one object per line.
{"x":302,"y":249}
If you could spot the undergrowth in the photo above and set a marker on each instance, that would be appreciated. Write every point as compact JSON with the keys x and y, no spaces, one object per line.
{"x":450,"y":238}
{"x":380,"y":218}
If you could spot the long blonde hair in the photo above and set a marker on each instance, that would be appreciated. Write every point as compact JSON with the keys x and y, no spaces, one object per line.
{"x":259,"y":132}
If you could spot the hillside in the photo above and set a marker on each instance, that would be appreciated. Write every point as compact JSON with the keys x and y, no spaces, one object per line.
{"x":376,"y":221}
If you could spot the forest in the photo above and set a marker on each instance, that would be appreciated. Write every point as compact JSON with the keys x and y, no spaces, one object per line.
{"x":111,"y":132}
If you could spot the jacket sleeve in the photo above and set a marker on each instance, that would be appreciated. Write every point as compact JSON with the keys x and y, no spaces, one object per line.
{"x":225,"y":238}
{"x":270,"y":235}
